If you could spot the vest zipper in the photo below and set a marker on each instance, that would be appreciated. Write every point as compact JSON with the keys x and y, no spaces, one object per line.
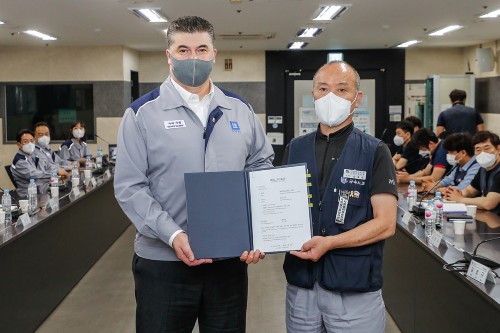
{"x":324,"y":159}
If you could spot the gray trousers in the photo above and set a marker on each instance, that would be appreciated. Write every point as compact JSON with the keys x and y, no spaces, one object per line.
{"x":318,"y":311}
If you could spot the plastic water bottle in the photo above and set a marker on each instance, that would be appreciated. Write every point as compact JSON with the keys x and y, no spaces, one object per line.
{"x":54,"y":184}
{"x":438,"y":203}
{"x":32,"y":197}
{"x":88,"y":163}
{"x":75,"y":175}
{"x":412,"y":195}
{"x":98,"y":159}
{"x":6,"y":206}
{"x":430,"y":218}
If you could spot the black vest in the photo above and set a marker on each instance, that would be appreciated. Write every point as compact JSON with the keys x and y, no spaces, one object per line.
{"x":486,"y":182}
{"x":357,"y":269}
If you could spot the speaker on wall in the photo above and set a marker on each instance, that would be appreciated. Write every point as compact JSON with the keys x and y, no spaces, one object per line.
{"x":485,"y":59}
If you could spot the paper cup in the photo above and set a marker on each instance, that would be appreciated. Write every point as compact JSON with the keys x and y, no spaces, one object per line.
{"x":54,"y":192}
{"x":87,"y":173}
{"x":459,"y":227}
{"x":23,"y":204}
{"x":471,"y":210}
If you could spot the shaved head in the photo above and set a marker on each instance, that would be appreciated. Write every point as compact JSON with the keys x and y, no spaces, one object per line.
{"x":344,"y":67}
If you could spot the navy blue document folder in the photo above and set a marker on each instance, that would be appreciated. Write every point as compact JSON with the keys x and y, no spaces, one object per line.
{"x":229,"y":235}
{"x":219,"y":207}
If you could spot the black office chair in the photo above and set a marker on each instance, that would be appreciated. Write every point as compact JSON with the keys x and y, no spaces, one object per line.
{"x":9,"y":173}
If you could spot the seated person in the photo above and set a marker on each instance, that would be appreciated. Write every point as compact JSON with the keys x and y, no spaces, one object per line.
{"x":45,"y":153}
{"x":75,"y":148}
{"x":427,"y":141}
{"x":407,"y":158}
{"x":415,"y":121}
{"x":461,"y":157}
{"x":26,"y":165}
{"x":484,"y":190}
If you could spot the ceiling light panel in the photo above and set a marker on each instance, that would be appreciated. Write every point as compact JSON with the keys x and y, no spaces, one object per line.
{"x":309,"y":32}
{"x":297,"y":45}
{"x":409,"y":43}
{"x":446,"y":30}
{"x":150,"y":14}
{"x":328,"y":12}
{"x":492,"y":14}
{"x":40,"y":35}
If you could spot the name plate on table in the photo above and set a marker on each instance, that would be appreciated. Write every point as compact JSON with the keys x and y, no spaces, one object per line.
{"x":436,"y":238}
{"x":24,"y":219}
{"x":480,"y":272}
{"x":52,"y":205}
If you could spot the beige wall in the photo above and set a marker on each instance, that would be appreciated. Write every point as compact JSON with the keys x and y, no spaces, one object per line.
{"x":130,"y":62}
{"x":422,"y":62}
{"x":39,"y":64}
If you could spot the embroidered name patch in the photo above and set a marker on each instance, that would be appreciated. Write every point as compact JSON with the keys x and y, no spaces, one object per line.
{"x":354,"y":174}
{"x":171,"y":124}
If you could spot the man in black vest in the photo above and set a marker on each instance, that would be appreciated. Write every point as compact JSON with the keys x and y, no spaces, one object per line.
{"x":334,"y":282}
{"x":484,"y":190}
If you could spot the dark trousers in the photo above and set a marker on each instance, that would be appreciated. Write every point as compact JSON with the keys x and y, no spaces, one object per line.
{"x":170,"y":296}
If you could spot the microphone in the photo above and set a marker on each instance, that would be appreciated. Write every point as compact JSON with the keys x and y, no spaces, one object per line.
{"x":102,"y":139}
{"x":383,"y":133}
{"x":418,"y":209}
{"x":481,"y":259}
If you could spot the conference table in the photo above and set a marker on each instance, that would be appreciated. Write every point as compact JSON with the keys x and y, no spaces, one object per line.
{"x":421,"y":295}
{"x":42,"y":260}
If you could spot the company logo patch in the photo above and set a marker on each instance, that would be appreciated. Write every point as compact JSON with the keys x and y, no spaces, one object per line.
{"x":343,"y":180}
{"x":234,"y":126}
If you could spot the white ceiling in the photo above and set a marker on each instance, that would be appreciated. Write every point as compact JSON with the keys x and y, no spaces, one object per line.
{"x":366,"y":24}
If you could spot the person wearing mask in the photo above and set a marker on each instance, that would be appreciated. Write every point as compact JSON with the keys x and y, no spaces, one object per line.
{"x":186,"y":125}
{"x":429,"y":145}
{"x":75,"y":147}
{"x":335,"y":280}
{"x":484,"y":190}
{"x":461,"y":157}
{"x":26,"y":165}
{"x":45,"y":153}
{"x":459,"y":118}
{"x":408,"y":157}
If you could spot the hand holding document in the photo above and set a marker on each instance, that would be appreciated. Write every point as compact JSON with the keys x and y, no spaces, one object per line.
{"x":236,"y":211}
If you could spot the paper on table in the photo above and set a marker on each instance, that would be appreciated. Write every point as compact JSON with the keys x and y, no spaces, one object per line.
{"x":454,"y":208}
{"x":280,"y":209}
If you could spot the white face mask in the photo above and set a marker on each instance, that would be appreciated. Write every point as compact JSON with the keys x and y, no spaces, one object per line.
{"x":29,"y":148}
{"x":398,"y":140}
{"x":78,"y":133}
{"x":424,"y":153}
{"x":450,"y":158}
{"x":486,"y":160}
{"x":333,"y":110}
{"x":44,"y":141}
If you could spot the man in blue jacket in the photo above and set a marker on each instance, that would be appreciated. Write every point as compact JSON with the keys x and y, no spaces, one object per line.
{"x":186,"y":125}
{"x":335,"y":281}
